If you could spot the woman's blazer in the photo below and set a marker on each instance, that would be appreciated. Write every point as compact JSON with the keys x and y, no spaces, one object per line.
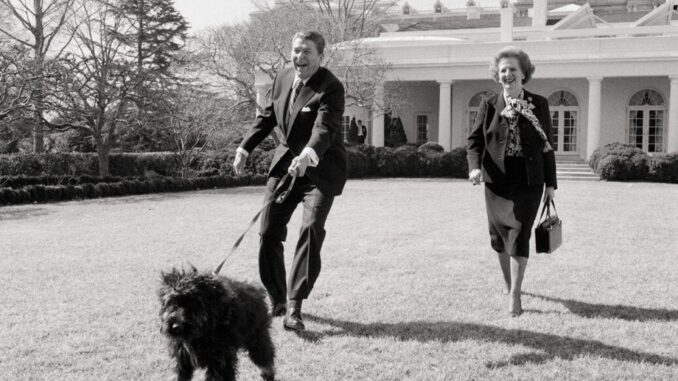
{"x":487,"y":142}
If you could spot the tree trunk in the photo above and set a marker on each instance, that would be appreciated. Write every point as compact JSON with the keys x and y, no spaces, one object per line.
{"x":103,"y":154}
{"x":39,"y":56}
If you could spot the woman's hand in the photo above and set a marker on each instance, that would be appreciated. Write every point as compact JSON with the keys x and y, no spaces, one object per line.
{"x":475,"y":176}
{"x":549,"y":194}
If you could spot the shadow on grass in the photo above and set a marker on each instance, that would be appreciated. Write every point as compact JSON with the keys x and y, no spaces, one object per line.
{"x":605,"y":311}
{"x":546,"y":346}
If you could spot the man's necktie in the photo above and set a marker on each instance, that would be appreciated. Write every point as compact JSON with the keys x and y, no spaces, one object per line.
{"x":296,"y":89}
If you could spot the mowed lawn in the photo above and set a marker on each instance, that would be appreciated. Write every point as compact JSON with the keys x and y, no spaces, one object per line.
{"x":410,"y":289}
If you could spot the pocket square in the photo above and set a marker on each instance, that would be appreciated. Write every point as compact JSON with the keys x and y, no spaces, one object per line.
{"x":306,"y":109}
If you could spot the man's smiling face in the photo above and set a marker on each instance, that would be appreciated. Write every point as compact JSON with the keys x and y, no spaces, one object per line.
{"x":305,"y":58}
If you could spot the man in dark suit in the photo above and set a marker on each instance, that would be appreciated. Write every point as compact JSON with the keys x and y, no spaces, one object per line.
{"x":307,"y":105}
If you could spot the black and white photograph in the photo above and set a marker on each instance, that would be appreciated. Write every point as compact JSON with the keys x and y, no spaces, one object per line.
{"x":339,"y":190}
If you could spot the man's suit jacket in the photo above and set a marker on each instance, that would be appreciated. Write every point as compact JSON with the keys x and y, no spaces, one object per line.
{"x":314,"y":121}
{"x":487,"y":142}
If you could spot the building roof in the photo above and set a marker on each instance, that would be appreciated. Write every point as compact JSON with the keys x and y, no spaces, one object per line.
{"x":423,"y":18}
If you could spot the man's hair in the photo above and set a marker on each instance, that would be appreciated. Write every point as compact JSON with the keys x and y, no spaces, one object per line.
{"x":512,"y":52}
{"x":314,"y":36}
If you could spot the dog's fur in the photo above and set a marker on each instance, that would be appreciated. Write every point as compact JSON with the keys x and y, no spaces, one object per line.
{"x":208,"y":318}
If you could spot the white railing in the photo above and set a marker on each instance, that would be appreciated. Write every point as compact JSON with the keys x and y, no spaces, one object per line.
{"x":529,"y":33}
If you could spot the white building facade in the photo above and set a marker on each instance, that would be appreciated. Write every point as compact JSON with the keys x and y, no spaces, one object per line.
{"x":606,"y":82}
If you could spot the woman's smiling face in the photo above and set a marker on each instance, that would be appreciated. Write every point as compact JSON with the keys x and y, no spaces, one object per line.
{"x":510,"y":75}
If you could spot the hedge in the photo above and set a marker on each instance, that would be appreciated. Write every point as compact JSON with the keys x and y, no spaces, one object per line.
{"x":623,"y":162}
{"x":363,"y":160}
{"x":213,"y":169}
{"x":428,"y":160}
{"x":22,"y":181}
{"x":65,"y":164}
{"x":664,"y":168}
{"x":47,"y":193}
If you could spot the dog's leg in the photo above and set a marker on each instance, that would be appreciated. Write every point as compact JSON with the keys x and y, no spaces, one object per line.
{"x":184,"y":367}
{"x":184,"y":370}
{"x":224,"y":370}
{"x":262,"y":353}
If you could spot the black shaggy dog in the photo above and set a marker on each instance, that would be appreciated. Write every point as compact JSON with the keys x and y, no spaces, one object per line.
{"x":208,"y":318}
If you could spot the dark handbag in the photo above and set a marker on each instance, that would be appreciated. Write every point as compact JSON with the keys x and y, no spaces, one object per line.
{"x":548,"y":235}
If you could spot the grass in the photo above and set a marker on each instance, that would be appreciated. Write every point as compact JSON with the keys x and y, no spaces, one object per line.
{"x":409,"y":289}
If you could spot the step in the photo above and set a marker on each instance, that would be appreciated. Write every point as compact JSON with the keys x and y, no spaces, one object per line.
{"x":576,"y":174}
{"x":573,"y":169}
{"x":567,"y":178}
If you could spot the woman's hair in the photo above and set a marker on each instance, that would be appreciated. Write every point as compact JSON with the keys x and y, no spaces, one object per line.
{"x":314,"y":36}
{"x":512,"y":52}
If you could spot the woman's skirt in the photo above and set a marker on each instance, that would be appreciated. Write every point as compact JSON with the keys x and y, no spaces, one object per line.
{"x":511,"y":210}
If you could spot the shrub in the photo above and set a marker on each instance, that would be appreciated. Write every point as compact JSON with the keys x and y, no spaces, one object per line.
{"x":458,"y":163}
{"x":358,"y":163}
{"x":664,"y":168}
{"x":431,"y":146}
{"x":620,"y":162}
{"x":407,"y":161}
{"x":394,"y":133}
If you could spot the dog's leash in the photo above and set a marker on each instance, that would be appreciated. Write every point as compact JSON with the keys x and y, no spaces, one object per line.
{"x":280,"y":194}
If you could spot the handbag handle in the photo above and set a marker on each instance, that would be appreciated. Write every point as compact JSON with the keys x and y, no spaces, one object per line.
{"x":547,"y":208}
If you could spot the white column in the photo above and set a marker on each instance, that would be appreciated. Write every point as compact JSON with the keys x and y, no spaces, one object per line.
{"x":445,"y":115}
{"x":593,"y":125}
{"x":506,"y":21}
{"x":672,"y":142}
{"x":378,"y":112}
{"x":539,"y":14}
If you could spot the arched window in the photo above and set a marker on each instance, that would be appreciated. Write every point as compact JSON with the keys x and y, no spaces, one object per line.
{"x":438,"y":8}
{"x":564,"y":120}
{"x":473,"y":105}
{"x":646,"y":121}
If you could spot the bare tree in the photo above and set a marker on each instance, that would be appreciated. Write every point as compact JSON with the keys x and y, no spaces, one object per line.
{"x":193,"y":118}
{"x":41,"y":21}
{"x":96,"y":85}
{"x":15,"y":83}
{"x":361,"y":70}
{"x":233,"y":54}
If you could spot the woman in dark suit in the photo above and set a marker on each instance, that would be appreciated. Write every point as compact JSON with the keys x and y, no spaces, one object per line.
{"x":510,"y":149}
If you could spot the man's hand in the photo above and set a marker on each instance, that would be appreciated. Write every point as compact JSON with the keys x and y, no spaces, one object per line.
{"x":298,"y":166}
{"x":475,"y":176}
{"x":239,"y":163}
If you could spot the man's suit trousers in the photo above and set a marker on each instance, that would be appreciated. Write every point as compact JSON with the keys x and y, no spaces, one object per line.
{"x":306,"y":263}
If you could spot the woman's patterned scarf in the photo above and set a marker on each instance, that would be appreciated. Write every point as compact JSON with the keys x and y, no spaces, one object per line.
{"x":515,"y":106}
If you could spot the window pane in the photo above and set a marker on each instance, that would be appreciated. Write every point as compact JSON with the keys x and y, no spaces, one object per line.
{"x":422,"y":127}
{"x":655,"y":131}
{"x":345,"y":125}
{"x":636,"y":128}
{"x":569,"y":131}
{"x":555,"y":124}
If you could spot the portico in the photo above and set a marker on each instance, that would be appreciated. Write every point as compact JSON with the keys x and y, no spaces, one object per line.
{"x":604,"y":85}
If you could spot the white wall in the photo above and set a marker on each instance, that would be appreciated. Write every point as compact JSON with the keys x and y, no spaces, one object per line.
{"x":423,"y":99}
{"x":616,"y":93}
